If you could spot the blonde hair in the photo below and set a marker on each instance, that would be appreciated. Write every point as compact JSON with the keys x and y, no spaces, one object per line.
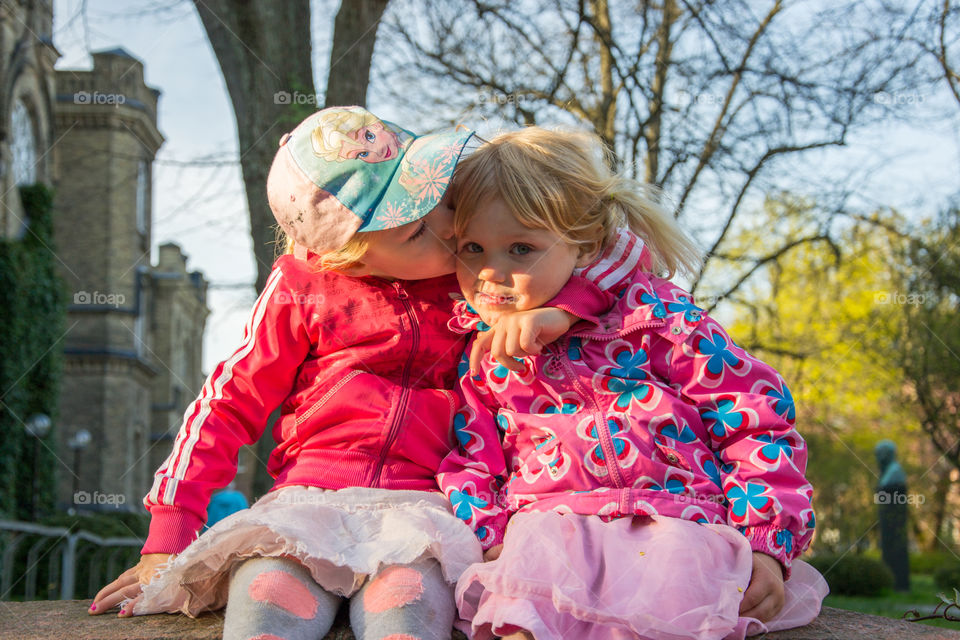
{"x":348,"y":256}
{"x":562,"y":181}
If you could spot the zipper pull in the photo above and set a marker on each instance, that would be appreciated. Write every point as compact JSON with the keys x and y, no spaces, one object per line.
{"x":401,"y":292}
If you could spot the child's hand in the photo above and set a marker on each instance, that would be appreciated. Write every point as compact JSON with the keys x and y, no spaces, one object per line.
{"x":764,"y":596}
{"x":492,"y":553}
{"x":128,"y":585}
{"x":519,"y":334}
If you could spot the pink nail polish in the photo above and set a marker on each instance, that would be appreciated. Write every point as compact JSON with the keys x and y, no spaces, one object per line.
{"x":123,"y":612}
{"x":93,"y":607}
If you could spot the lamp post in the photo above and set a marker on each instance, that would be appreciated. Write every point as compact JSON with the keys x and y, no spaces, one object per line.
{"x":77,"y":444}
{"x":37,"y":426}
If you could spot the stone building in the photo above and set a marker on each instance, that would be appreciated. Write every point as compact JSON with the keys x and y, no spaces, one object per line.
{"x":134,"y":342}
{"x":27,"y":56}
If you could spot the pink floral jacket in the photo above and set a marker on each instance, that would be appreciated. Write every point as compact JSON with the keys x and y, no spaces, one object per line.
{"x":650,"y":408}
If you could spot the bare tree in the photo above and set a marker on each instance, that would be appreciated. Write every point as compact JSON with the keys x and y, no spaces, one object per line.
{"x":264,"y":52}
{"x":715,"y":102}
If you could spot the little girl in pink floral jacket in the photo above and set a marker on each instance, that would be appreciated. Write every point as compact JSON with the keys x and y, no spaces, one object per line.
{"x":648,"y":466}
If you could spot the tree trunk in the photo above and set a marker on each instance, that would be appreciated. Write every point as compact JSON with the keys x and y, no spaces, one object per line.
{"x":252,"y":42}
{"x":354,"y":35}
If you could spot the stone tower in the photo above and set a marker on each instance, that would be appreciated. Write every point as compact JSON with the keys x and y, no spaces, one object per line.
{"x":121,"y":370}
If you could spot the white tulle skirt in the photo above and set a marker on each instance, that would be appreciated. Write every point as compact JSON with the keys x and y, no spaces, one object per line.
{"x":341,"y":536}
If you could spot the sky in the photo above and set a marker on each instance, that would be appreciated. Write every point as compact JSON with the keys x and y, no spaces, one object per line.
{"x":202,"y":207}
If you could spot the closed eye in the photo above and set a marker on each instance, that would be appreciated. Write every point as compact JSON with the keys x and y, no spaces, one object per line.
{"x":420,"y":231}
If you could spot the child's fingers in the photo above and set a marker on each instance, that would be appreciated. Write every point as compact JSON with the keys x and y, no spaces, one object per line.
{"x":112,"y":599}
{"x":127,"y":608}
{"x":499,"y":352}
{"x":529,"y":341}
{"x":763,"y":610}
{"x":493,"y":552}
{"x":480,"y":346}
{"x":760,"y":602}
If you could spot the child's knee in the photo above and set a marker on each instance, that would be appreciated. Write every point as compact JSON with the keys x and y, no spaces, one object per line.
{"x":283,"y":590}
{"x":393,"y":588}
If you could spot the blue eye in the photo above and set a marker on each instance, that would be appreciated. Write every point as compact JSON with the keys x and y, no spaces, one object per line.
{"x":521,"y":249}
{"x":471,"y":247}
{"x":363,"y":154}
{"x":369,"y":136}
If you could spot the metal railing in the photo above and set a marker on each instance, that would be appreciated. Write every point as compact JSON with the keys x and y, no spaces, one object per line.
{"x":27,"y":547}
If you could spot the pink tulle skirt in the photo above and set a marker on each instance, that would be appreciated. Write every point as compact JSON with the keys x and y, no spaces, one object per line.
{"x":571,"y":576}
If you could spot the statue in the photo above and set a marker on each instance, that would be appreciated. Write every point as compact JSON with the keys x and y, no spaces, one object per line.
{"x":891,"y":500}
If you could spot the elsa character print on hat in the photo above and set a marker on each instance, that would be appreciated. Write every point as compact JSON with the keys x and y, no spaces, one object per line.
{"x":343,"y":170}
{"x":352,"y":134}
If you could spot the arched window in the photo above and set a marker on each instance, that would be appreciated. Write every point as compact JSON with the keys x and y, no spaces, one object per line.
{"x":142,"y":179}
{"x":23,"y":145}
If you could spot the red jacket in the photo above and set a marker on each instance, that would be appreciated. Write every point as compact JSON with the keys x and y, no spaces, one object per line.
{"x":362,"y":370}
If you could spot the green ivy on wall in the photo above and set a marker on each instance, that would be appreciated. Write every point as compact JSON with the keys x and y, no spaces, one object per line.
{"x":33,"y":303}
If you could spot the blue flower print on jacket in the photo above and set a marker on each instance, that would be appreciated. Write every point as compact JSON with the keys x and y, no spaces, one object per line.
{"x":691,"y":312}
{"x":774,"y":448}
{"x":784,"y":540}
{"x":466,"y":438}
{"x":719,"y":354}
{"x":465,"y":504}
{"x":573,"y":349}
{"x":630,"y":392}
{"x":659,"y":311}
{"x":630,"y":364}
{"x":725,"y":419}
{"x":625,"y":375}
{"x":782,"y":401}
{"x":670,"y":430}
{"x":568,"y":408}
{"x":749,"y":499}
{"x":710,"y":468}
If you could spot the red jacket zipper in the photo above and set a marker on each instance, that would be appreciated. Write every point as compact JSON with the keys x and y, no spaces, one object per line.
{"x":404,"y":384}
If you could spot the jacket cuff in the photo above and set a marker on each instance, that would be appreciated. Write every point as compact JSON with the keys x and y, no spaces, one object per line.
{"x":773,"y":541}
{"x":171,"y":530}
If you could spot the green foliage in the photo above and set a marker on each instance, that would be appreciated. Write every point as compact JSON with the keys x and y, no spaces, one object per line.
{"x":929,"y":340}
{"x":853,"y":574}
{"x":948,"y":576}
{"x":928,"y":562}
{"x":34,"y":301}
{"x":828,"y":314}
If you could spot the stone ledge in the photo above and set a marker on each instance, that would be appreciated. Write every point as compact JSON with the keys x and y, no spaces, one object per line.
{"x":68,"y":620}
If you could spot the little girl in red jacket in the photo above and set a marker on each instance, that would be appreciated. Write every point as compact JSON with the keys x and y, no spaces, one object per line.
{"x":641,"y":477}
{"x":349,"y":339}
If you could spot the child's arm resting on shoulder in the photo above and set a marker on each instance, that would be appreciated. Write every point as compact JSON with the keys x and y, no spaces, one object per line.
{"x":748,"y":414}
{"x":471,"y":475}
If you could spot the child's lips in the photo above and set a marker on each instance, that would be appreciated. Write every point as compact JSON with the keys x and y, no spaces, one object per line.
{"x":494,"y":300}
